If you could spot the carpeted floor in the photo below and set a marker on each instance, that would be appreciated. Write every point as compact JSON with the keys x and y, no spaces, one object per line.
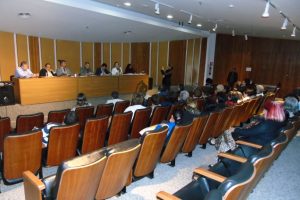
{"x":280,"y":182}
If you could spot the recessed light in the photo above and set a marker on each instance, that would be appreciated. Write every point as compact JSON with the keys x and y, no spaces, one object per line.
{"x":24,"y":15}
{"x":231,"y":6}
{"x":128,"y":4}
{"x":170,"y":16}
{"x":199,"y":25}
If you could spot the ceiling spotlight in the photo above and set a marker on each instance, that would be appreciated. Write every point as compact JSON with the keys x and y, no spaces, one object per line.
{"x":231,"y":6}
{"x":190,"y":20}
{"x":215,"y":28}
{"x":199,"y":25}
{"x":24,"y":15}
{"x":285,"y":23}
{"x":170,"y":16}
{"x":246,"y":37}
{"x":157,"y":9}
{"x":233,"y":33}
{"x":266,"y":12}
{"x":294,"y":32}
{"x":128,"y":4}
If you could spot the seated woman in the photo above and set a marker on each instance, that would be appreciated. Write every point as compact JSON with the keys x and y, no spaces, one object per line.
{"x":129,"y":69}
{"x":70,"y":118}
{"x":46,"y":71}
{"x":81,"y":101}
{"x":291,"y":106}
{"x":267,"y":128}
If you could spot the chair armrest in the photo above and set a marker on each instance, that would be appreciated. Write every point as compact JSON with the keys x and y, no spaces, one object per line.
{"x":209,"y":174}
{"x":166,"y":196}
{"x":233,"y":157}
{"x":241,"y":142}
{"x":32,"y":186}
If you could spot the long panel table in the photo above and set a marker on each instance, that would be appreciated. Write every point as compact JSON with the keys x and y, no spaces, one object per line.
{"x":54,"y":89}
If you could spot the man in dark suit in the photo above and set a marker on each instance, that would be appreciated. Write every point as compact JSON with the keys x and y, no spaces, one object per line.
{"x":167,"y":74}
{"x":232,"y":78}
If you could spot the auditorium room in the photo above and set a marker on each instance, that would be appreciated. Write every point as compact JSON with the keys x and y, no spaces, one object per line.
{"x":149,"y":99}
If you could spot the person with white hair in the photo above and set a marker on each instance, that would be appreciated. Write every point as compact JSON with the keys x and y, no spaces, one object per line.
{"x":260,"y":90}
{"x":291,"y":106}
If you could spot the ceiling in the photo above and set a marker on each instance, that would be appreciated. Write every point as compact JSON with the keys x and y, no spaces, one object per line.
{"x":111,"y":20}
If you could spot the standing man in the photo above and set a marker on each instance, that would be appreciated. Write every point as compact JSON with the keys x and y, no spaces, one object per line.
{"x":23,"y":71}
{"x":167,"y":75}
{"x":63,"y":70}
{"x":232,"y":78}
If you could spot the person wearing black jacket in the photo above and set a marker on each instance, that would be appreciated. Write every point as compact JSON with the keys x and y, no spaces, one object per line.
{"x":232,"y":78}
{"x":46,"y":71}
{"x":167,"y":75}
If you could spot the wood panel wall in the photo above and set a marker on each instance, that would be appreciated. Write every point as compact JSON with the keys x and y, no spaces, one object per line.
{"x":154,"y":62}
{"x":22,"y":47}
{"x":126,"y":54}
{"x":177,"y":53}
{"x":140,"y":57}
{"x":87,"y":53}
{"x":47,"y":52}
{"x":272,"y":60}
{"x":106,"y":55}
{"x":34,"y":53}
{"x":97,"y":55}
{"x":69,"y":51}
{"x":7,"y":55}
{"x":202,"y":61}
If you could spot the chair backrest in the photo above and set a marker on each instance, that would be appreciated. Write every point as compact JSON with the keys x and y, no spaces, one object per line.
{"x":194,"y":134}
{"x":104,"y":110}
{"x":175,"y":143}
{"x":120,"y":161}
{"x":21,"y":153}
{"x":87,"y":170}
{"x":152,"y":144}
{"x":57,"y":116}
{"x":140,"y":121}
{"x":62,"y":144}
{"x":4,"y":130}
{"x":221,"y":122}
{"x":159,"y":114}
{"x":209,"y":126}
{"x":200,"y":103}
{"x":229,"y":118}
{"x":94,"y":134}
{"x":83,"y":114}
{"x":236,"y":116}
{"x":121,"y":106}
{"x":177,"y":106}
{"x":28,"y":122}
{"x":119,"y":128}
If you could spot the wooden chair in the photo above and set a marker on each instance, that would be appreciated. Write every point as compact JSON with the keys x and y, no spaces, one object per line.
{"x":94,"y":134}
{"x":152,"y":145}
{"x":75,"y":179}
{"x":219,"y":124}
{"x":5,"y":129}
{"x":121,"y":158}
{"x":28,"y":122}
{"x":175,"y":144}
{"x":200,"y":103}
{"x":140,"y":121}
{"x":173,"y":108}
{"x":83,"y":114}
{"x":104,"y":110}
{"x":119,"y":128}
{"x":209,"y":126}
{"x":21,"y":152}
{"x":121,"y":106}
{"x":194,"y":134}
{"x":159,"y":114}
{"x":57,"y":116}
{"x":62,"y":144}
{"x":236,"y":115}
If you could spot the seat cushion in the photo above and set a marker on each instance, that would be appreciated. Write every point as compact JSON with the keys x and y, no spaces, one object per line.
{"x":195,"y":190}
{"x":48,"y":181}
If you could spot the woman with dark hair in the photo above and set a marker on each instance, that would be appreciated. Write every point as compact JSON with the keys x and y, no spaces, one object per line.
{"x":81,"y":101}
{"x":129,"y":69}
{"x":267,"y":128}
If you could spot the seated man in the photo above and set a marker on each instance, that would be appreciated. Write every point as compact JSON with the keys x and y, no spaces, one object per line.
{"x":46,"y":71}
{"x":23,"y":71}
{"x":102,"y":70}
{"x":63,"y":70}
{"x":116,"y":70}
{"x":81,"y":101}
{"x":115,"y":98}
{"x":86,"y":70}
{"x":137,"y":103}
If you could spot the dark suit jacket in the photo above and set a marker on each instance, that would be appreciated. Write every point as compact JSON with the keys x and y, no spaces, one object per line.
{"x":43,"y":72}
{"x":232,"y":77}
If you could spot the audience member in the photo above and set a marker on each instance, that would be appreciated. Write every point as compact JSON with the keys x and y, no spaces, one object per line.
{"x":155,"y":99}
{"x":46,"y":71}
{"x":183,"y":94}
{"x":81,"y":101}
{"x":260,"y":90}
{"x":291,"y":105}
{"x":86,"y":70}
{"x":116,"y":70}
{"x":63,"y":70}
{"x":115,"y":98}
{"x":129,"y":69}
{"x":23,"y":71}
{"x":137,"y":103}
{"x":197,"y":92}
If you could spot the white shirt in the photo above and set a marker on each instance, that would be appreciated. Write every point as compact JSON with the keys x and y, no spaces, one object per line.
{"x":114,"y":101}
{"x":115,"y":71}
{"x":133,"y":109}
{"x":49,"y":74}
{"x":21,"y":73}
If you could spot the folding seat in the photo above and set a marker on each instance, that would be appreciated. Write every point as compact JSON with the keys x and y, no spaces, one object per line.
{"x":28,"y":122}
{"x":121,"y":106}
{"x":75,"y":179}
{"x":175,"y":143}
{"x":57,"y":116}
{"x":221,"y":122}
{"x":22,"y":152}
{"x":174,"y":107}
{"x":194,"y":134}
{"x":83,"y":114}
{"x":5,"y":129}
{"x":104,"y":110}
{"x":159,"y":114}
{"x":140,"y":121}
{"x":119,"y":128}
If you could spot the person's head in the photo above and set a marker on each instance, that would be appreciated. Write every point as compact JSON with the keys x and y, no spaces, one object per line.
{"x":129,"y":66}
{"x":116,"y":64}
{"x":87,"y":65}
{"x":24,"y":65}
{"x":291,"y":104}
{"x":177,"y":116}
{"x":190,"y":102}
{"x":62,"y":63}
{"x":47,"y":66}
{"x":115,"y":95}
{"x":155,"y":99}
{"x":209,"y":81}
{"x":138,"y":99}
{"x":260,"y":89}
{"x":81,"y":99}
{"x":221,"y":97}
{"x":71,"y":118}
{"x":197,"y":92}
{"x":274,"y":111}
{"x":183,"y":96}
{"x":220,"y":88}
{"x":104,"y":65}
